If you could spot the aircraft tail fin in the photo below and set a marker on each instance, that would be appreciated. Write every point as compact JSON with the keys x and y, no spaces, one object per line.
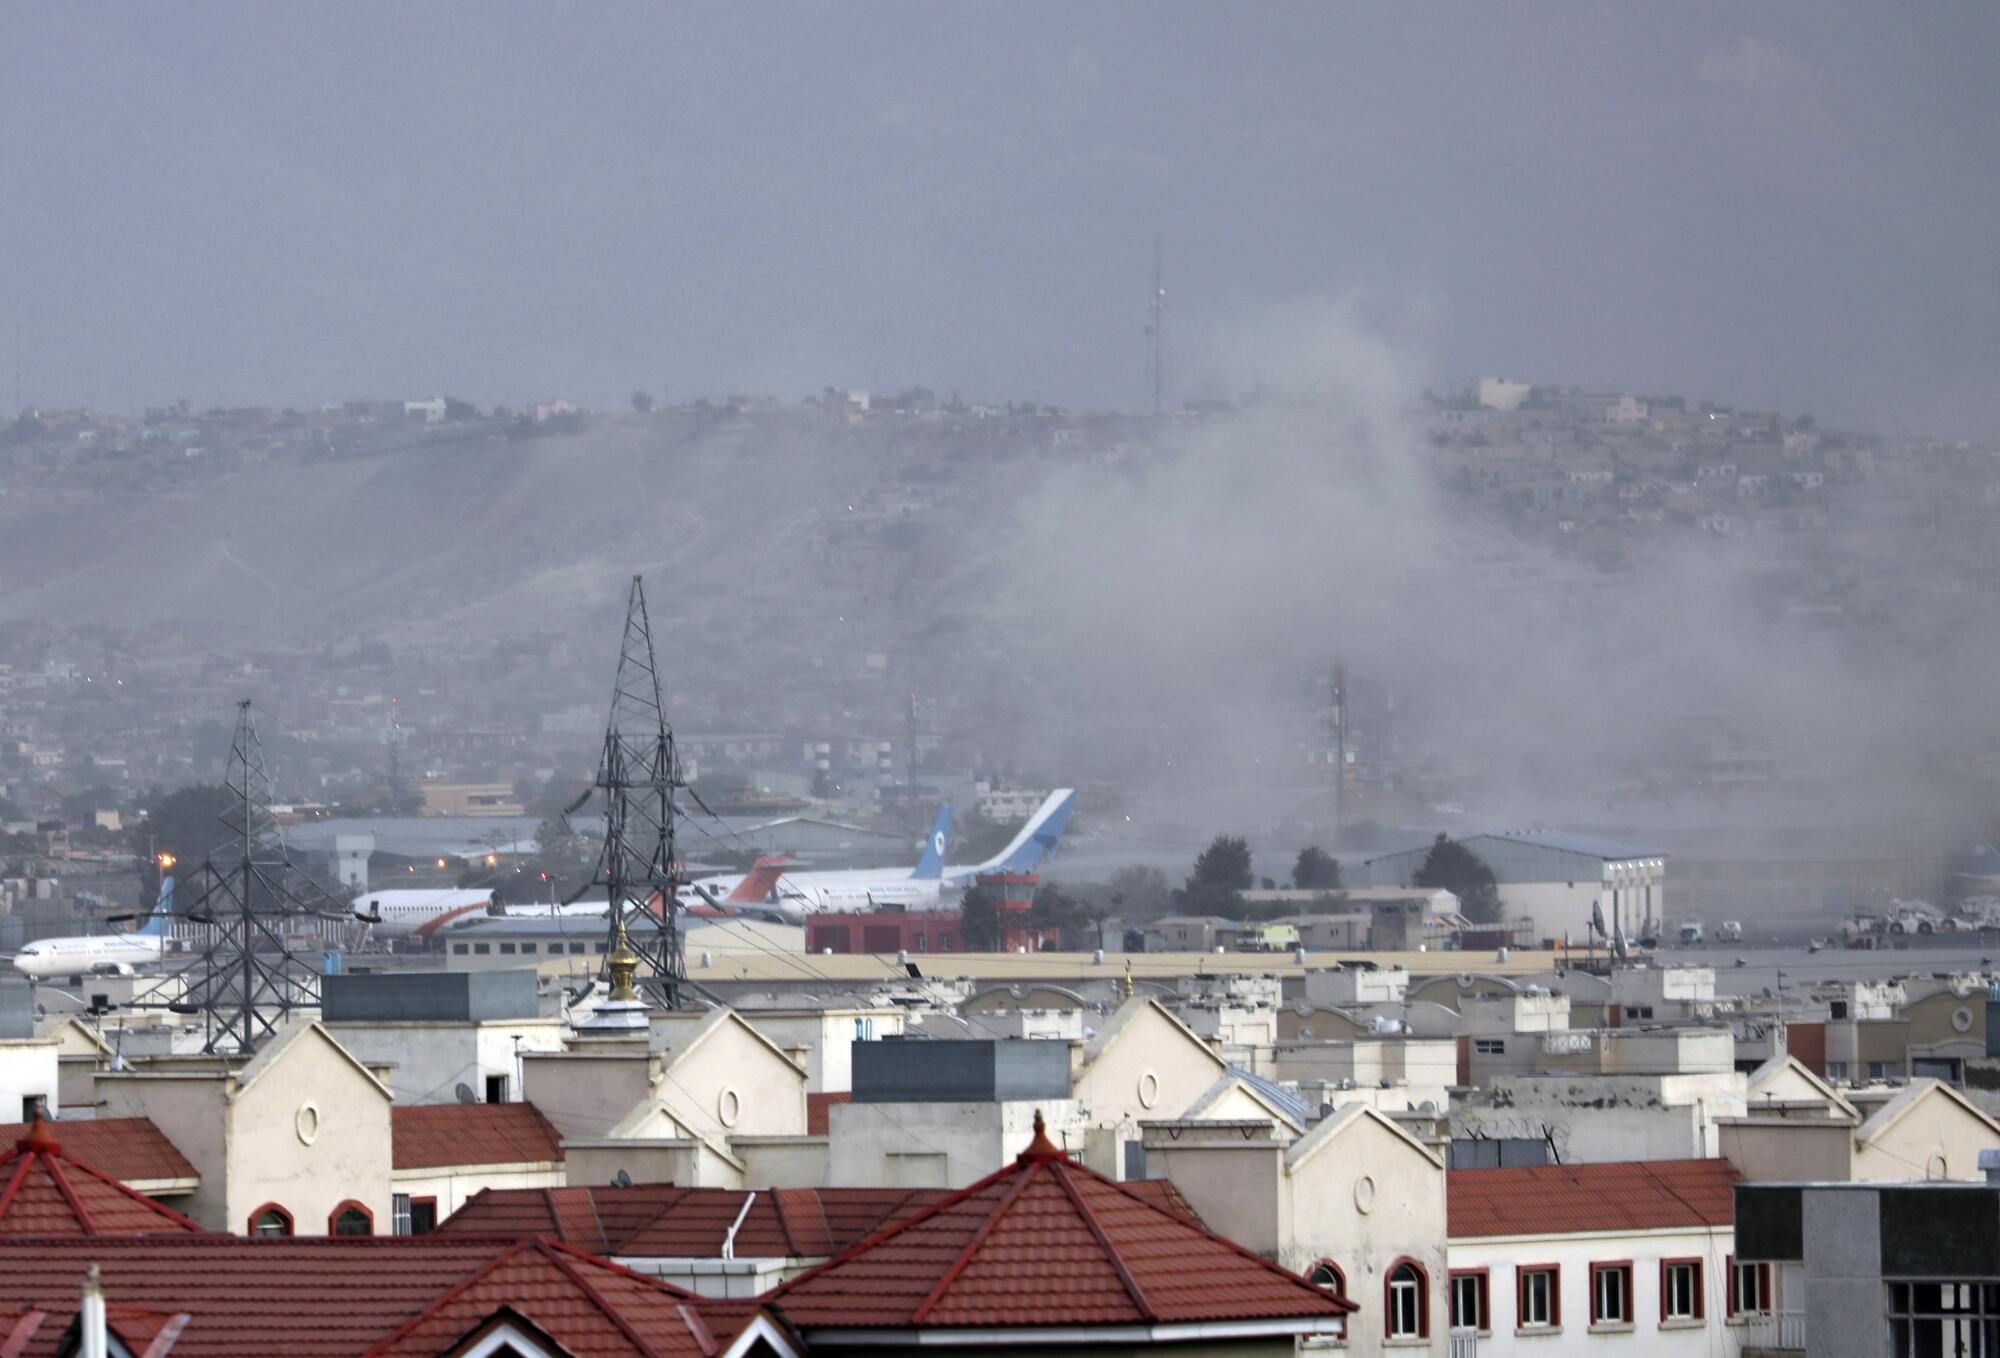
{"x":163,"y":910}
{"x":931,"y":866}
{"x":1038,"y":838}
{"x":758,"y":883}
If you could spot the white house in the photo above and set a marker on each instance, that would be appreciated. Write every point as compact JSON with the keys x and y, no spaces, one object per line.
{"x":1589,"y":1259}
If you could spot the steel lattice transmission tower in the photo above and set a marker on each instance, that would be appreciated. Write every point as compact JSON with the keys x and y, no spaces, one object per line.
{"x":1159,"y":358}
{"x":638,"y":777}
{"x":251,"y":910}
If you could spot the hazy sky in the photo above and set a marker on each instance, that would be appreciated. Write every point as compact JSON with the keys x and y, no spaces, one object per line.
{"x":1788,"y":204}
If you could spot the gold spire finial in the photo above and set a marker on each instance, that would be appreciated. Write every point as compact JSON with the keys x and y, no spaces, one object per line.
{"x":623,"y":965}
{"x":1128,"y":978}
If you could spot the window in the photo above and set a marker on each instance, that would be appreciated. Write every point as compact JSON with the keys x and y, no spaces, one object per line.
{"x":1490,"y":1046}
{"x":944,"y":942}
{"x":1749,"y":1289}
{"x":1327,"y":1275}
{"x":506,"y":949}
{"x":1836,"y":1070}
{"x":1406,"y":1303}
{"x":399,"y":1213}
{"x":270,"y":1219}
{"x":351,"y":1218}
{"x":919,"y":941}
{"x":1611,"y":1293}
{"x":496,"y":1089}
{"x":1885,"y":1070}
{"x":1953,"y":1318}
{"x":602,"y":946}
{"x":1680,"y":1289}
{"x":864,"y":1030}
{"x":1469,"y":1298}
{"x":1537,"y":1297}
{"x":481,"y":949}
{"x":34,"y":1106}
{"x":1638,"y":1011}
{"x":527,"y":947}
{"x":461,"y":949}
{"x":579,"y":947}
{"x":423,"y":1215}
{"x":1836,"y":1009}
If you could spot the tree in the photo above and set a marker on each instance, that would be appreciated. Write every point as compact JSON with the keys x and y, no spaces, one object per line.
{"x":642,"y":402}
{"x":1076,"y":922}
{"x":978,"y":921}
{"x":1316,"y":870}
{"x":1462,"y":872}
{"x":1221,"y":873}
{"x":1140,"y":892}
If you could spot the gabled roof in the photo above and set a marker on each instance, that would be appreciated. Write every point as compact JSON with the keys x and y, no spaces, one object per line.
{"x":1127,"y":1014}
{"x":1589,"y":846}
{"x":44,"y":1191}
{"x":1332,"y":1127}
{"x":337,"y":1297}
{"x":587,"y":1306}
{"x":1046,"y":1242}
{"x":441,"y":1135}
{"x":1787,"y":1065}
{"x":283,"y":1041}
{"x":130,"y":1150}
{"x":1624,"y":1195}
{"x":1878,"y":1123}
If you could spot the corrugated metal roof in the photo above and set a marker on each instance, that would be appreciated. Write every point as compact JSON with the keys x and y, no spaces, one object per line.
{"x":1587,"y":845}
{"x":1285,"y":1100}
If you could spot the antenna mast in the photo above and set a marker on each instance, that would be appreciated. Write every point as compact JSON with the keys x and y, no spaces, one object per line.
{"x":1336,"y":720}
{"x":638,"y":777}
{"x":1156,"y":329}
{"x":252,"y":905}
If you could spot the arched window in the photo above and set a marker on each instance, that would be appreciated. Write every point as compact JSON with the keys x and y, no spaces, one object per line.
{"x":270,"y":1219}
{"x":1326,"y":1274}
{"x":1406,"y":1302}
{"x":351,"y":1218}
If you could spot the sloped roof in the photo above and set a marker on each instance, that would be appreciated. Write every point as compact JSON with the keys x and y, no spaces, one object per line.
{"x":817,"y":1118}
{"x":440,"y":1135}
{"x":668,"y":1221}
{"x":587,"y":1306}
{"x":1589,"y":846}
{"x":336,"y":1297}
{"x":1047,"y":1242}
{"x":45,"y":1191}
{"x":1878,"y":1122}
{"x":1625,"y":1195}
{"x":130,"y":1150}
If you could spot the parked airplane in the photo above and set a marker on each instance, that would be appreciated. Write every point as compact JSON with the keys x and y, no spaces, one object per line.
{"x":928,"y":886}
{"x":414,"y":913}
{"x":121,"y":953}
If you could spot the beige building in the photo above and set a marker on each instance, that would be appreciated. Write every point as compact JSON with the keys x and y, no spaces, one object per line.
{"x":1799,"y":1128}
{"x":1348,"y":1204}
{"x":294,"y":1141}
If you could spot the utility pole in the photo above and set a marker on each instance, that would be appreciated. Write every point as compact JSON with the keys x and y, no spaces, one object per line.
{"x":910,"y":739}
{"x":1336,"y":721}
{"x":1156,"y":329}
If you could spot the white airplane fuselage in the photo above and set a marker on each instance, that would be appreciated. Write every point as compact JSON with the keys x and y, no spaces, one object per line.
{"x":52,"y":957}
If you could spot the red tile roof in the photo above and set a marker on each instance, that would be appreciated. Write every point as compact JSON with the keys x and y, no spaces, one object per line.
{"x":1048,"y":1242}
{"x":440,"y":1135}
{"x":1634,"y":1195}
{"x":130,"y":1150}
{"x":46,"y":1191}
{"x":333,"y":1297}
{"x":816,"y":1110}
{"x":667,"y":1221}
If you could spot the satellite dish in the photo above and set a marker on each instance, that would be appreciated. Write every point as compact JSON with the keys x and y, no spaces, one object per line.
{"x":621,"y":1180}
{"x":464,"y":1093}
{"x":1597,"y":919}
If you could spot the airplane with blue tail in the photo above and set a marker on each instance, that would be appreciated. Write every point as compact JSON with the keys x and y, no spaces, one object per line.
{"x":98,"y":954}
